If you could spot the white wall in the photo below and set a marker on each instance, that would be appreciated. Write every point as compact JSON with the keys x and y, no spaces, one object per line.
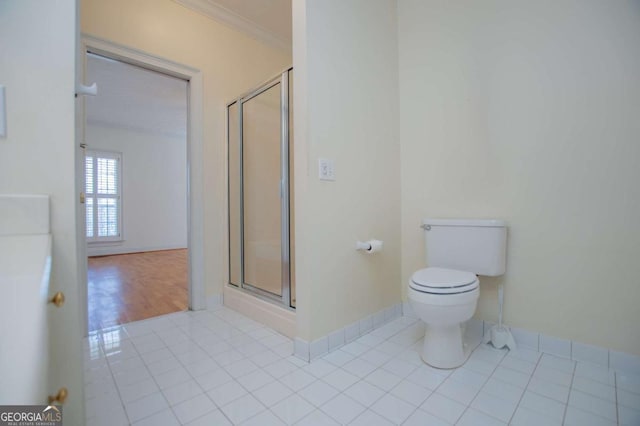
{"x":345,"y":109}
{"x":230,"y":61}
{"x":527,"y":111}
{"x":37,"y":57}
{"x":154,"y":184}
{"x":142,"y":115}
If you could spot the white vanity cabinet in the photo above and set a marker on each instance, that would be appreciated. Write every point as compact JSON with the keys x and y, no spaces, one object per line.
{"x":25,"y":264}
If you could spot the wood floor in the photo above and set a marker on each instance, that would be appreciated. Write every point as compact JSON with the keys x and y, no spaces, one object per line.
{"x":131,"y":287}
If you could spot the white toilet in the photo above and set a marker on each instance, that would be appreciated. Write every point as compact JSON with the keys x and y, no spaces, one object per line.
{"x":445,"y":294}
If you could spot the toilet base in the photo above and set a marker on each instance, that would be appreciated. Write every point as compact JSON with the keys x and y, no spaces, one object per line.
{"x":444,"y":346}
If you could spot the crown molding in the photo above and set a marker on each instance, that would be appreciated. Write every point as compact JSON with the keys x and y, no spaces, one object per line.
{"x":231,"y":19}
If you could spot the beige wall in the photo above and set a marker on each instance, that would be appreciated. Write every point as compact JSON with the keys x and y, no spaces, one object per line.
{"x":37,"y":54}
{"x":345,"y":109}
{"x":528,"y":111}
{"x":230,"y":62}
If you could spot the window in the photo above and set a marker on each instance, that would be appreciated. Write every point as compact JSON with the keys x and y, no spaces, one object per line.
{"x":103,"y":201}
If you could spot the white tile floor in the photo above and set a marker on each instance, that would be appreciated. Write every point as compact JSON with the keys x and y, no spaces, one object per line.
{"x":218,"y":367}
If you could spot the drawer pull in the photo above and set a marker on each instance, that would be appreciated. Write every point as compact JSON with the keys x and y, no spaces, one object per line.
{"x":57,"y":299}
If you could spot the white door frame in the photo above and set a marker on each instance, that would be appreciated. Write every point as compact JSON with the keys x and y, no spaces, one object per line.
{"x":195,"y":182}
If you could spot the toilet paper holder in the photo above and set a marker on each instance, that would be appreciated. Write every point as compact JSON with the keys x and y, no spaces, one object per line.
{"x":360,"y":245}
{"x":370,"y":246}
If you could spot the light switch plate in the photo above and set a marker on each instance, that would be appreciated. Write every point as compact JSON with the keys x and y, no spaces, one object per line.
{"x":326,"y":169}
{"x":3,"y":113}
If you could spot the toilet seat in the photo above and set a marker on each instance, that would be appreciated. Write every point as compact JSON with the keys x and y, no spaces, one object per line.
{"x":443,"y":281}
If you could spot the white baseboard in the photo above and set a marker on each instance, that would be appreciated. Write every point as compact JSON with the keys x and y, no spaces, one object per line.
{"x":407,"y":310}
{"x":283,"y":321}
{"x":308,"y":351}
{"x":280,"y":319}
{"x":577,"y":351}
{"x":109,"y":249}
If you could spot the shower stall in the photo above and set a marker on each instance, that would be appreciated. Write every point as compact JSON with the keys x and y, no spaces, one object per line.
{"x":260,"y":148}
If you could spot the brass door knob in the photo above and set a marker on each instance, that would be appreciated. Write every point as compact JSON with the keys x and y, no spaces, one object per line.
{"x":60,"y":397}
{"x":57,"y":299}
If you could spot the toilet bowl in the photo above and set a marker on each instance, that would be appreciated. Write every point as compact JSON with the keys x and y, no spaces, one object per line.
{"x":444,"y":299}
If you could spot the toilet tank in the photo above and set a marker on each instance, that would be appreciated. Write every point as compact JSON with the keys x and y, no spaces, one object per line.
{"x":472,"y":245}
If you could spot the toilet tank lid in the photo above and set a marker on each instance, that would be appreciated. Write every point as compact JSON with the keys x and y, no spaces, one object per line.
{"x":493,"y":223}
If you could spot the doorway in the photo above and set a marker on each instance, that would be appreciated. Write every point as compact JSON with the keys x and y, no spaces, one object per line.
{"x":135,"y":193}
{"x":194,"y":147}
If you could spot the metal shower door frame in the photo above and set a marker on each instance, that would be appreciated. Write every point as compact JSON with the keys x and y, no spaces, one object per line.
{"x":285,"y":297}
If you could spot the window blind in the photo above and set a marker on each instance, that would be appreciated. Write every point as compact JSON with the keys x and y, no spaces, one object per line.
{"x":103,"y":188}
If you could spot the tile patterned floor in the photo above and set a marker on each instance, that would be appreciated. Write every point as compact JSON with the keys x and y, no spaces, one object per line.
{"x":220,"y":368}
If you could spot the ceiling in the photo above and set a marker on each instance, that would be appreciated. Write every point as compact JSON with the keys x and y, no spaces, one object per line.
{"x":136,"y":99}
{"x":267,"y":20}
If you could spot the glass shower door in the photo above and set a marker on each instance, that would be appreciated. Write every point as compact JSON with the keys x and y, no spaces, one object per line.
{"x":262,"y":191}
{"x":260,"y":218}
